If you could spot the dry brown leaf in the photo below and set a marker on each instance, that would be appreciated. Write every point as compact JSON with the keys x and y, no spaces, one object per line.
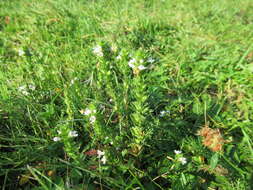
{"x":91,"y":152}
{"x":218,"y":170}
{"x":212,"y":138}
{"x":7,"y":20}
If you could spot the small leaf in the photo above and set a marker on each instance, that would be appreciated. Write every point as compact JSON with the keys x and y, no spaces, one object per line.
{"x":214,"y":161}
{"x":250,"y":67}
{"x":24,"y":179}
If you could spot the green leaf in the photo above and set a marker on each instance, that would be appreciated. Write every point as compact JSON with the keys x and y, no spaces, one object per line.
{"x":214,"y":160}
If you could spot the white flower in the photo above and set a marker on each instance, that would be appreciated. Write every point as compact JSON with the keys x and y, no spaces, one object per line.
{"x":177,"y":151}
{"x":103,"y":160}
{"x":150,"y":60}
{"x":131,"y":65}
{"x":73,"y":134}
{"x":55,"y":139}
{"x":92,"y":119}
{"x":141,"y":67}
{"x":100,"y":153}
{"x":163,"y":113}
{"x":141,"y":61}
{"x":87,"y":111}
{"x":133,"y":60}
{"x":101,"y":106}
{"x":21,"y":52}
{"x":97,"y":50}
{"x":25,"y":93}
{"x":183,"y":160}
{"x":23,"y":90}
{"x":73,"y":81}
{"x":31,"y":87}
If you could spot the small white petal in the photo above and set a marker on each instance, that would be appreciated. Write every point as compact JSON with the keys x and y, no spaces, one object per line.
{"x":97,"y":50}
{"x":177,"y":151}
{"x":101,"y":106}
{"x":55,"y":139}
{"x":72,"y":82}
{"x":87,"y":111}
{"x":73,"y":134}
{"x":141,"y":67}
{"x":183,"y":160}
{"x":132,"y":61}
{"x":25,"y":93}
{"x":21,"y":88}
{"x":100,"y":153}
{"x":92,"y":119}
{"x":131,"y":65}
{"x":31,"y":87}
{"x":21,"y":52}
{"x":163,"y":113}
{"x":150,"y":60}
{"x":103,"y":160}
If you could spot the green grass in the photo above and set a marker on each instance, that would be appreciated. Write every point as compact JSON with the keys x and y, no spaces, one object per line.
{"x":201,"y":76}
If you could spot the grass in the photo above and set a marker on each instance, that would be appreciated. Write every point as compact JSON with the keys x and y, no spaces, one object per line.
{"x":193,"y":94}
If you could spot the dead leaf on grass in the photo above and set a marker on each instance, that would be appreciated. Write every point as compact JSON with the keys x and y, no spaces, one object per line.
{"x":212,"y":138}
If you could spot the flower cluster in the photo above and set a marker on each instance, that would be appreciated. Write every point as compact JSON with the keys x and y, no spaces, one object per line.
{"x":101,"y":156}
{"x":132,"y":64}
{"x":163,"y":113}
{"x":151,"y":60}
{"x":21,"y":52}
{"x":73,"y":134}
{"x":88,"y":112}
{"x":70,"y":134}
{"x":56,"y":139}
{"x":73,"y":80}
{"x":25,"y":89}
{"x":179,"y":157}
{"x":98,"y":51}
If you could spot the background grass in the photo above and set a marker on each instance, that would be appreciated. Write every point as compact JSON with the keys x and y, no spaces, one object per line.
{"x":202,"y":75}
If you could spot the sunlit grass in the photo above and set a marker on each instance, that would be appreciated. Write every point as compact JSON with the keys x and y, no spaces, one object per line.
{"x":107,"y":94}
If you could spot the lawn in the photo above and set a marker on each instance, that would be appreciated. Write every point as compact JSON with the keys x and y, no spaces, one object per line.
{"x":126,"y":94}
